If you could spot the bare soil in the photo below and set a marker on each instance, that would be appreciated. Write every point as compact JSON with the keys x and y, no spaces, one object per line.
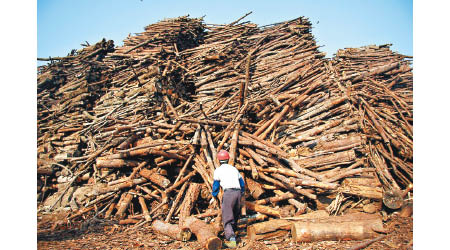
{"x":106,"y":234}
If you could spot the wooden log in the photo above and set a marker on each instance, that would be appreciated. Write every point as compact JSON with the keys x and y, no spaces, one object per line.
{"x":128,"y":221}
{"x":256,"y":157}
{"x":348,"y":227}
{"x":155,"y":177}
{"x":306,"y":135}
{"x":110,"y":210}
{"x":263,"y":209}
{"x":208,"y":213}
{"x":302,"y":170}
{"x":46,"y":170}
{"x":350,"y":172}
{"x":267,"y":236}
{"x":114,"y":188}
{"x":212,"y":148}
{"x":181,"y":181}
{"x":336,"y":158}
{"x":362,"y":191}
{"x":277,"y":118}
{"x":143,"y":150}
{"x":176,"y":201}
{"x":176,"y":232}
{"x":196,"y":138}
{"x":144,"y":208}
{"x":123,"y":205}
{"x":311,"y":183}
{"x":205,"y":233}
{"x":205,"y":122}
{"x":251,"y":219}
{"x":128,"y":142}
{"x":254,"y":187}
{"x":255,"y":174}
{"x":263,"y":144}
{"x":189,"y":201}
{"x":267,"y":227}
{"x":370,"y":181}
{"x":292,"y":187}
{"x":301,"y":207}
{"x":275,"y":199}
{"x":343,"y":144}
{"x":115,"y":163}
{"x":151,"y":194}
{"x":233,"y":146}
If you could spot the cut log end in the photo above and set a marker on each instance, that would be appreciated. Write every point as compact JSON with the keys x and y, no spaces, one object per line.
{"x":213,"y":244}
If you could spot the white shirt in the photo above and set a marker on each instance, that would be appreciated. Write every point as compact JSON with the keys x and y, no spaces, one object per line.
{"x":228,"y":176}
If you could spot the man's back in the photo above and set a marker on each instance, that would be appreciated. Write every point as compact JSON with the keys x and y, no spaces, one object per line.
{"x":228,"y":176}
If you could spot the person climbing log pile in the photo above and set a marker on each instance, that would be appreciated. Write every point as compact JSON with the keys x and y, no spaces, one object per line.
{"x":133,"y":133}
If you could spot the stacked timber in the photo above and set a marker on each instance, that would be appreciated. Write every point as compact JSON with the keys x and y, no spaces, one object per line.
{"x":131,"y":133}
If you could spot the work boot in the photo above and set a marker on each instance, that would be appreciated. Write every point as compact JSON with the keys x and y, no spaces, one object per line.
{"x":230,"y":243}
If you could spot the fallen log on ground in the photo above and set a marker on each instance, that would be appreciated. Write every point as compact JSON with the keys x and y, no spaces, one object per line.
{"x":347,"y":227}
{"x":172,"y":230}
{"x":205,"y":233}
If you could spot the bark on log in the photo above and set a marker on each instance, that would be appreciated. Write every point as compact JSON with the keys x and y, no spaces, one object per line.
{"x":189,"y":201}
{"x":311,"y":183}
{"x":128,"y":221}
{"x":176,"y":232}
{"x":254,"y":187}
{"x":116,"y":163}
{"x":263,"y":209}
{"x":123,"y":205}
{"x":176,"y":201}
{"x":266,"y":236}
{"x":268,"y":226}
{"x":205,"y":233}
{"x":155,"y":177}
{"x":348,"y":227}
{"x":144,"y":208}
{"x":362,"y":191}
{"x":336,"y":158}
{"x":275,"y":199}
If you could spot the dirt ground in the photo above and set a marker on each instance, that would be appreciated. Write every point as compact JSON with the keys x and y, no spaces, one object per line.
{"x":102,"y":234}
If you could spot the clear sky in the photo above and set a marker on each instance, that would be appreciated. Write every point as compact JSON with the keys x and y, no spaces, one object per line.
{"x":64,"y":25}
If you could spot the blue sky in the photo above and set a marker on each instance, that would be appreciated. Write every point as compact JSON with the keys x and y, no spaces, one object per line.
{"x":64,"y":25}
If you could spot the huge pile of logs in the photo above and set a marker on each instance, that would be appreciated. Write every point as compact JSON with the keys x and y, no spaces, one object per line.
{"x":132,"y":132}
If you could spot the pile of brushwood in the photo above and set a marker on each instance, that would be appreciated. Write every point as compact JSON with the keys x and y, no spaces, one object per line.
{"x":131,"y":133}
